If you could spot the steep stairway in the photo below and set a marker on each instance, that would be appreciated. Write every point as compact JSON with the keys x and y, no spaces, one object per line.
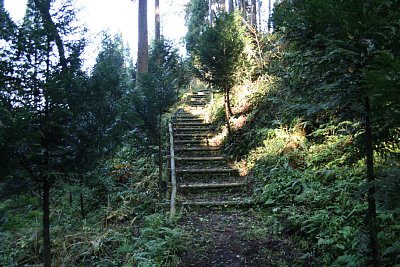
{"x":204,"y":176}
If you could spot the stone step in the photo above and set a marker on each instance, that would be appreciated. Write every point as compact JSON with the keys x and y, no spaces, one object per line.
{"x":199,"y":148}
{"x":200,"y":158}
{"x":189,"y":120}
{"x":190,"y":124}
{"x":191,"y":129}
{"x":204,"y":142}
{"x":192,"y":135}
{"x":207,"y":171}
{"x":205,"y":186}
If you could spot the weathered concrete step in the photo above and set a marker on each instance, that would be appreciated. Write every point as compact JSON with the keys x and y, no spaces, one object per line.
{"x":193,"y":142}
{"x":191,"y":124}
{"x":200,"y":158}
{"x":217,"y":203}
{"x":192,"y":135}
{"x":207,"y":171}
{"x":189,"y":120}
{"x":191,"y":129}
{"x":199,"y":148}
{"x":199,"y":95}
{"x":203,"y":186}
{"x":202,"y":100}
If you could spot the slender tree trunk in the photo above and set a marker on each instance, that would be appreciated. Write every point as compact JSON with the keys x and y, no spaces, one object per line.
{"x":227,"y":118}
{"x":210,"y":12}
{"x":231,"y":6}
{"x":223,"y":5}
{"x":254,"y":13}
{"x":269,"y":16}
{"x":46,"y":161}
{"x":44,"y":8}
{"x":259,"y":13}
{"x":228,"y":101}
{"x":160,"y":156}
{"x":46,"y":222}
{"x":157,"y":22}
{"x":143,"y":46}
{"x":81,"y":201}
{"x":371,"y":219}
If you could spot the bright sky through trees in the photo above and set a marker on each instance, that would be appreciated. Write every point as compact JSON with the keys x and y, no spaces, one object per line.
{"x":118,"y":16}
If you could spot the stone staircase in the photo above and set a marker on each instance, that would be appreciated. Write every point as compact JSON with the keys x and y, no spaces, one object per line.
{"x":204,"y":176}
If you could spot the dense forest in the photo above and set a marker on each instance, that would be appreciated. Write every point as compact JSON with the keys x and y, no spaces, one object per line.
{"x":302,"y":101}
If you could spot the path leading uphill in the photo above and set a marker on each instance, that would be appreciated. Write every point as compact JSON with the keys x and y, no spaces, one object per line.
{"x":204,"y":176}
{"x":214,"y":200}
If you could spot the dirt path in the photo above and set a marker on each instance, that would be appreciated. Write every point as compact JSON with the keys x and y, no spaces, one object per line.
{"x":219,"y":236}
{"x":234,"y":238}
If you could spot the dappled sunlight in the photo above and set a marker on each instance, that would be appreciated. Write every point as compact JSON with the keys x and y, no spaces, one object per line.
{"x":220,"y":136}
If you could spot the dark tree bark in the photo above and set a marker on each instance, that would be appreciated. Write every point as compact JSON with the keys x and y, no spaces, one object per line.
{"x":231,"y":6}
{"x":259,"y":13}
{"x":371,"y":215}
{"x":81,"y":200}
{"x":160,"y":155}
{"x":269,"y":16}
{"x":46,"y":222}
{"x":143,"y":46}
{"x":44,"y":8}
{"x":253,"y":13}
{"x":227,"y":115}
{"x":210,"y":12}
{"x":157,"y":21}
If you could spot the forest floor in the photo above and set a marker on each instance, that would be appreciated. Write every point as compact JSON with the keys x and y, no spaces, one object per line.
{"x":235,"y":237}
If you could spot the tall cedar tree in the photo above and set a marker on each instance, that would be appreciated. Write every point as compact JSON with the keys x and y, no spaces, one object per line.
{"x":219,"y":53}
{"x":143,"y":43}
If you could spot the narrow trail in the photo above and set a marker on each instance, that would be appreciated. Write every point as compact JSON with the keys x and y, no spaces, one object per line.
{"x":213,"y":200}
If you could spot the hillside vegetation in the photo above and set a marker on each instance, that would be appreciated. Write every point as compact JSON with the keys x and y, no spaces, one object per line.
{"x":308,"y":115}
{"x":300,"y":121}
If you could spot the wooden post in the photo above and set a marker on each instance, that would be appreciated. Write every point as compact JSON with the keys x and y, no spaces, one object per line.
{"x":173,"y":172}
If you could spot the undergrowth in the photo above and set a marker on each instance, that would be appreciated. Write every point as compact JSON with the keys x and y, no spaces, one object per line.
{"x":122,"y":224}
{"x":307,"y":179}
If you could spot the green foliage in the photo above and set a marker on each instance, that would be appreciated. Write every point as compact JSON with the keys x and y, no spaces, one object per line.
{"x":159,"y":243}
{"x":219,"y":51}
{"x":196,"y":21}
{"x":158,"y":89}
{"x":303,"y":140}
{"x":123,"y":225}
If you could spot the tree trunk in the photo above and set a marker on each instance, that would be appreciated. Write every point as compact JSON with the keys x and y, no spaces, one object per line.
{"x":157,"y":22}
{"x":371,"y":219}
{"x":160,"y":156}
{"x":223,"y":6}
{"x":46,"y":222}
{"x":44,"y":9}
{"x":228,"y":101}
{"x":259,"y":14}
{"x":244,"y":9}
{"x":210,"y":12}
{"x":230,"y":7}
{"x":143,"y":46}
{"x":81,"y":201}
{"x":254,"y":13}
{"x":227,"y":111}
{"x":269,"y":16}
